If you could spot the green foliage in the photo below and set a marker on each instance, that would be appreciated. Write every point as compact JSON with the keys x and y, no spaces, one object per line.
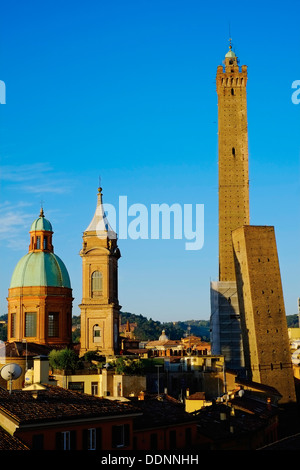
{"x":63,"y":359}
{"x":124,"y":365}
{"x":54,"y":360}
{"x":93,"y":356}
{"x":76,"y":321}
{"x":292,"y":321}
{"x":76,"y":336}
{"x":76,"y":332}
{"x":3,"y":332}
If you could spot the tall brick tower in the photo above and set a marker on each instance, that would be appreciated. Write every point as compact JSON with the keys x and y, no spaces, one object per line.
{"x":233,"y":158}
{"x":100,"y":305}
{"x":231,"y":84}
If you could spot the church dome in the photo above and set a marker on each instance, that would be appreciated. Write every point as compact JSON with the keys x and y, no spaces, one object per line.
{"x":41,"y":224}
{"x":40,"y":268}
{"x":163,"y":336}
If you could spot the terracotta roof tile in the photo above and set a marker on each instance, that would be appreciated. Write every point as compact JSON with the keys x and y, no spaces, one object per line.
{"x":56,"y":403}
{"x":8,"y":442}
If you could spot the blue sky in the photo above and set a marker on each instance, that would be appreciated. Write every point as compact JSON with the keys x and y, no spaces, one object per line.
{"x":126,"y":90}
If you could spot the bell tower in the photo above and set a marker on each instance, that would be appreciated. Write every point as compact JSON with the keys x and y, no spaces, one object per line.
{"x":231,"y":81}
{"x":100,"y":305}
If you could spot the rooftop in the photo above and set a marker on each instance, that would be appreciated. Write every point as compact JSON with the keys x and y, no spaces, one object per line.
{"x":219,"y":422}
{"x":160,"y":411}
{"x":8,"y":442}
{"x":55,"y":403}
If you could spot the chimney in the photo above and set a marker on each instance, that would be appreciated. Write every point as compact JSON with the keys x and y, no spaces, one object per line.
{"x":41,"y":369}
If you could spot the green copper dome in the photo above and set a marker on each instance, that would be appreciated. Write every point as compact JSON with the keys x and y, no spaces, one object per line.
{"x":41,"y":224}
{"x":230,"y":54}
{"x":40,"y":268}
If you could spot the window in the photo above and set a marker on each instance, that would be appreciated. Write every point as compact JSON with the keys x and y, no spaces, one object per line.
{"x":92,"y":439}
{"x":38,"y":442}
{"x":66,"y":440}
{"x":45,"y":242}
{"x":120,"y":436}
{"x":79,"y":386}
{"x":30,"y":324}
{"x":38,"y":243}
{"x":96,"y":334}
{"x":94,"y":388}
{"x":13,"y":325}
{"x":96,"y":283}
{"x":53,"y":323}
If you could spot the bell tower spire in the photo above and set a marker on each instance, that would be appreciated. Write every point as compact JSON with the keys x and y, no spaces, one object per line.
{"x":100,"y":305}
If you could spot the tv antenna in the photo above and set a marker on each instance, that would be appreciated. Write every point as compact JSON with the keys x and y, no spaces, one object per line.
{"x":11,"y":372}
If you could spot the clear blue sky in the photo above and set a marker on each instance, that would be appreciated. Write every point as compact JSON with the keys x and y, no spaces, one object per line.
{"x":126,"y":90}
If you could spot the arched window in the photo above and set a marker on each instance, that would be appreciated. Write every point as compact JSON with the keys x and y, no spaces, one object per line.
{"x":96,"y":283}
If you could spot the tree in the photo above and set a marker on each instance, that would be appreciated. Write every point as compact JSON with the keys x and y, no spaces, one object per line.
{"x":129,"y":366}
{"x":63,"y":360}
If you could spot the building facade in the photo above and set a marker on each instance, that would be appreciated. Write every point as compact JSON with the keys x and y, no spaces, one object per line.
{"x":100,"y":305}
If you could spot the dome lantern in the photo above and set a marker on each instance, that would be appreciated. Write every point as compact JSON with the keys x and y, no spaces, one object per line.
{"x":41,"y":234}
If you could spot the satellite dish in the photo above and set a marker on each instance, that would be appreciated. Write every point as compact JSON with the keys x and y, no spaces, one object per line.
{"x":11,"y":372}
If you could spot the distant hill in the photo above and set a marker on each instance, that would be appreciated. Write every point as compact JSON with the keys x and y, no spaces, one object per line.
{"x":148,"y":329}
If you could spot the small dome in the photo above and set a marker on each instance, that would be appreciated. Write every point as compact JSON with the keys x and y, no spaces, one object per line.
{"x":163,"y":336}
{"x":41,"y":223}
{"x":230,"y":54}
{"x":40,"y":268}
